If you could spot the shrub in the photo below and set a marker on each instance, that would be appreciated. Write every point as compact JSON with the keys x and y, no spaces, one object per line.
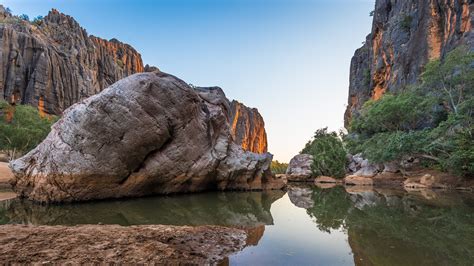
{"x":38,"y":20}
{"x":405,"y":23}
{"x":120,"y":63}
{"x":22,"y":128}
{"x":329,"y":156}
{"x":434,"y":121}
{"x":278,"y":168}
{"x":24,"y":17}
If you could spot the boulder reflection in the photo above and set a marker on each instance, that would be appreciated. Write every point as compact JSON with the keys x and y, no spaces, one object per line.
{"x":246,"y":209}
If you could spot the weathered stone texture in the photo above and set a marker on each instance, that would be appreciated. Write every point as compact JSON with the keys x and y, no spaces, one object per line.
{"x":405,"y":35}
{"x":147,"y":134}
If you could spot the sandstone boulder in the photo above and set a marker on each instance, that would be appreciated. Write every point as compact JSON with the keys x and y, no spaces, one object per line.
{"x":326,"y":179}
{"x":358,"y":180}
{"x":150,"y":133}
{"x":368,"y":169}
{"x":299,"y":168}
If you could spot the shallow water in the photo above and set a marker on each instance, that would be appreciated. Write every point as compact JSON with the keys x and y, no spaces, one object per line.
{"x":304,"y":226}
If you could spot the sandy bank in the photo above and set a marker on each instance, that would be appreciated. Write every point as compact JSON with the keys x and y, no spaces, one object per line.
{"x":117,"y":244}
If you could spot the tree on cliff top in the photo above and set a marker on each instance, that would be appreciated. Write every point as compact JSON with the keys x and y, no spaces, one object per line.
{"x":329,"y":156}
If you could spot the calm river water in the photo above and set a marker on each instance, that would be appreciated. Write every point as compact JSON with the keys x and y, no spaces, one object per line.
{"x":306,"y":225}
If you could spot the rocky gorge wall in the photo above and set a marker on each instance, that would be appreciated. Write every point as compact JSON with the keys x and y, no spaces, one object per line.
{"x":54,"y":63}
{"x":406,"y":34}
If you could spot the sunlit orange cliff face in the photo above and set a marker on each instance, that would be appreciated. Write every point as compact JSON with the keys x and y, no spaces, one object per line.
{"x":248,"y":128}
{"x":405,"y":36}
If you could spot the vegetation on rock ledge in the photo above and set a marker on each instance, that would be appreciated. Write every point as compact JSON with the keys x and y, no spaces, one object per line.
{"x":434,"y":120}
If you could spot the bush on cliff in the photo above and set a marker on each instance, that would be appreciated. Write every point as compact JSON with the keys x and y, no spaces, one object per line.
{"x":329,"y":156}
{"x":21,"y":128}
{"x":434,"y":121}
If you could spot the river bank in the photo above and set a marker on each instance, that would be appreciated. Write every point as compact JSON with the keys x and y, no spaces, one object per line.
{"x":118,"y":244}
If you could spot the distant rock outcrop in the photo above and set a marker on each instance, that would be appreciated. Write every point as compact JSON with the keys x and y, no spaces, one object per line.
{"x":405,"y":36}
{"x":147,"y":134}
{"x":53,"y":63}
{"x":248,"y":128}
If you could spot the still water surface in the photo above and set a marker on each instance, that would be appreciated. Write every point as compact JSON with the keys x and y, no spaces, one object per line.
{"x":304,"y":226}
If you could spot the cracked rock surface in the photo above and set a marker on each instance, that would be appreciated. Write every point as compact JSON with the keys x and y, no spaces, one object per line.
{"x":98,"y":244}
{"x":147,"y":134}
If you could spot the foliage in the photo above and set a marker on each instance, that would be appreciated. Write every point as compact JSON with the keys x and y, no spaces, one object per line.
{"x":21,"y":128}
{"x":329,"y":156}
{"x":433,"y":120}
{"x":24,"y":17}
{"x":8,"y":10}
{"x":405,"y":23}
{"x":435,"y":231}
{"x":38,"y":20}
{"x":372,"y":13}
{"x":278,"y":168}
{"x":367,"y":77}
{"x":120,"y":63}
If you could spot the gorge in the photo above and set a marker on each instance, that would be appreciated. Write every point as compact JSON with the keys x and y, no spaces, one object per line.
{"x":142,"y":167}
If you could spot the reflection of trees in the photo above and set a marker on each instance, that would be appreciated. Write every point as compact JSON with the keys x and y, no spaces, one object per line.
{"x":331,"y":207}
{"x":400,"y":229}
{"x":234,"y":209}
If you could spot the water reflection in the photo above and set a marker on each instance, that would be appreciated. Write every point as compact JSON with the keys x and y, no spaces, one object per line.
{"x":230,"y":209}
{"x":307,"y":226}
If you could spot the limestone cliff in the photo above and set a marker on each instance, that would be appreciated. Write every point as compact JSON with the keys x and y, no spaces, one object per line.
{"x":405,"y":35}
{"x":53,"y":63}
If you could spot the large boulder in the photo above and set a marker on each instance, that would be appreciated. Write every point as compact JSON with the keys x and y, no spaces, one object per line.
{"x":147,"y":134}
{"x":299,"y":168}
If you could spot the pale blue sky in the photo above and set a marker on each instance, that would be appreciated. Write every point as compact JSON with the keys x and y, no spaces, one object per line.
{"x":288,"y":58}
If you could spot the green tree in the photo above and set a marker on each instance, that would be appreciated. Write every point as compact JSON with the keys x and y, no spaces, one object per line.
{"x":329,"y":155}
{"x":22,"y":128}
{"x":433,"y":121}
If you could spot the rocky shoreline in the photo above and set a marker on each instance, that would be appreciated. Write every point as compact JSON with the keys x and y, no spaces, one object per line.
{"x":408,"y":175}
{"x":91,"y":244}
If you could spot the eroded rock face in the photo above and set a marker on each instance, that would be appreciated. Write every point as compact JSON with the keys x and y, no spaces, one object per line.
{"x":405,"y":36}
{"x":248,"y":128}
{"x":247,"y":125}
{"x":55,"y":63}
{"x":299,"y":168}
{"x":147,"y":134}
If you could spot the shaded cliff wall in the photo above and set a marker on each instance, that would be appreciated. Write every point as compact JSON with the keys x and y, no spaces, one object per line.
{"x":55,"y":63}
{"x":405,"y":35}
